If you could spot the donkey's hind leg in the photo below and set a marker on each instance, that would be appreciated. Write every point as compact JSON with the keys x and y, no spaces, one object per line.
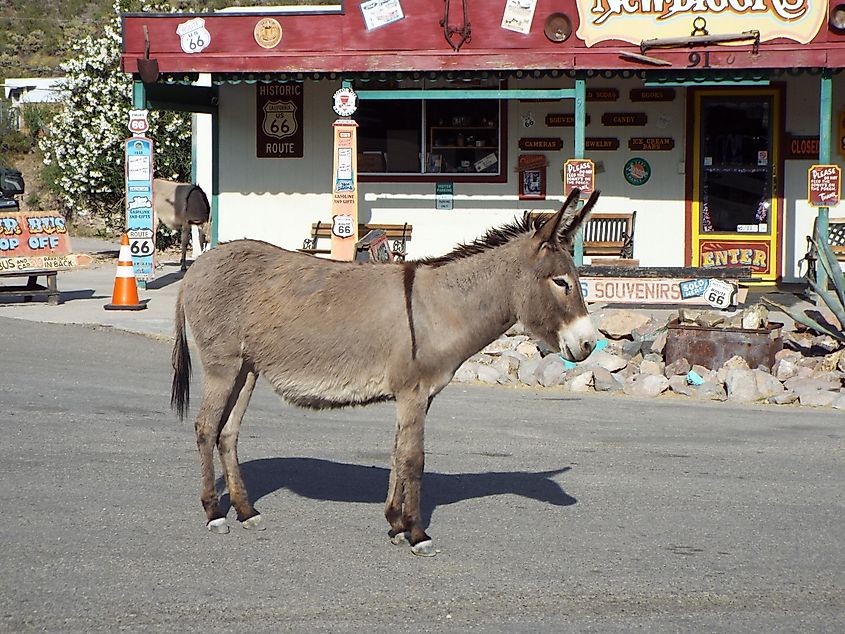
{"x":186,"y":238}
{"x":218,"y":395}
{"x":227,"y":445}
{"x":402,"y":508}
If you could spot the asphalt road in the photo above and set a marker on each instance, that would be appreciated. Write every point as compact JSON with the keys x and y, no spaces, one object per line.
{"x":552,"y":512}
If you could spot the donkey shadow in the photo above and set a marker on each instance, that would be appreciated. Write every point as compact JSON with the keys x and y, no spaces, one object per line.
{"x":341,"y":482}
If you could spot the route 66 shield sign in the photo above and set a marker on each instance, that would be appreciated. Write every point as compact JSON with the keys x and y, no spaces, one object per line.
{"x":280,"y":119}
{"x":194,"y":37}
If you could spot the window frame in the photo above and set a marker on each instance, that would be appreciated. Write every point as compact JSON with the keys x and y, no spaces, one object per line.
{"x":459,"y":177}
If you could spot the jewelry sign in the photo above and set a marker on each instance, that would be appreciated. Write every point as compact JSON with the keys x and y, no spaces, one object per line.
{"x":140,"y":222}
{"x":279,"y":133}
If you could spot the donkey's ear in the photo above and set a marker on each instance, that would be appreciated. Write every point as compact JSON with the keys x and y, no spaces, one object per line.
{"x":573,"y":220}
{"x":549,"y":232}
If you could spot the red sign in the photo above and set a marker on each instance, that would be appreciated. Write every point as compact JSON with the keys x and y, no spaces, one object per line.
{"x":823,"y":185}
{"x":753,"y":254}
{"x":579,"y":173}
{"x":33,"y":233}
{"x":799,"y":147}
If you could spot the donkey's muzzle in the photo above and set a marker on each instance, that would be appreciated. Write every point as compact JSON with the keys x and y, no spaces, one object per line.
{"x":578,"y":339}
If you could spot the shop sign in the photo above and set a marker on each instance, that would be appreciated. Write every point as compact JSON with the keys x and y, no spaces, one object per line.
{"x":563,"y":120}
{"x":721,"y":254}
{"x":659,"y":290}
{"x":801,"y":147}
{"x":637,"y":20}
{"x":518,"y":15}
{"x":552,"y":144}
{"x":580,"y":174}
{"x":602,"y":94}
{"x":823,"y":185}
{"x":267,"y":33}
{"x":444,"y":196}
{"x":279,"y":130}
{"x":378,"y":13}
{"x":33,"y":233}
{"x":140,"y":227}
{"x":651,"y":143}
{"x":601,"y":143}
{"x":624,"y":118}
{"x":652,"y":94}
{"x":637,"y":171}
{"x":344,"y":189}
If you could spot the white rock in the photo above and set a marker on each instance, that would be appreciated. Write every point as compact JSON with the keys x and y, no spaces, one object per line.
{"x":741,"y":385}
{"x":767,"y":385}
{"x":619,"y":323}
{"x":818,"y":398}
{"x":550,"y":371}
{"x":529,"y":349}
{"x":647,"y":385}
{"x":467,"y":372}
{"x":651,"y":367}
{"x":605,"y":360}
{"x":527,"y":371}
{"x":581,"y":382}
{"x":489,"y":374}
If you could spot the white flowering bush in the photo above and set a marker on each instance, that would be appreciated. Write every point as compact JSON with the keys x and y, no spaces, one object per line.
{"x":83,"y":147}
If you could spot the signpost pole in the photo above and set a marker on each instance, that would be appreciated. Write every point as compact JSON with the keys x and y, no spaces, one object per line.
{"x":140,"y":219}
{"x":824,"y":158}
{"x":580,"y":124}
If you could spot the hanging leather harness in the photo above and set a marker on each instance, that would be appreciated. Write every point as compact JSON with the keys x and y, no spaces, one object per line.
{"x":465,"y":30}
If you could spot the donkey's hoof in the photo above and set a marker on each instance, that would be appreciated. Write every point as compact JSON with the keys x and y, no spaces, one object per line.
{"x":424,"y":548}
{"x":254,"y":523}
{"x":400,"y":539}
{"x":218,"y":526}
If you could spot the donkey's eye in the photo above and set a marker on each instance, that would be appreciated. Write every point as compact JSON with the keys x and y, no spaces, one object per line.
{"x":561,"y":281}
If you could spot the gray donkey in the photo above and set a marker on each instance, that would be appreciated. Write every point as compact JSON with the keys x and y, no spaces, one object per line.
{"x":254,"y":308}
{"x":179,"y":206}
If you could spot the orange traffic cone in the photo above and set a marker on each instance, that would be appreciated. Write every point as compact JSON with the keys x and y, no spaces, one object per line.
{"x":125,"y":295}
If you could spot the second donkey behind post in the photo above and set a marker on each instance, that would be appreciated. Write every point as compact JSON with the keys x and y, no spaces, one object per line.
{"x":179,"y":206}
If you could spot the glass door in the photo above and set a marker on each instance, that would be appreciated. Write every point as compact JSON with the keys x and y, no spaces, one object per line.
{"x":735,"y":212}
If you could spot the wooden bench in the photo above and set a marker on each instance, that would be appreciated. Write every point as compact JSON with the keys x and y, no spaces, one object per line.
{"x":606,"y":233}
{"x":397,"y":234}
{"x":32,"y":288}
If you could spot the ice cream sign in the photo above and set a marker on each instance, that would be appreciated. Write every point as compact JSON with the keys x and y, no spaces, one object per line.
{"x":636,"y":20}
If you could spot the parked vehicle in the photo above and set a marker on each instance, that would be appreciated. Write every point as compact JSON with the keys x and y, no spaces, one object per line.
{"x":11,"y":185}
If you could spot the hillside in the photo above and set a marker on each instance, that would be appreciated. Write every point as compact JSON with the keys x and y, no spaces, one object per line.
{"x":35,"y":35}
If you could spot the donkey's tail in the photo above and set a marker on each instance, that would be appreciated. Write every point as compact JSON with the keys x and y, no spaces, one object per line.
{"x":180,"y":393}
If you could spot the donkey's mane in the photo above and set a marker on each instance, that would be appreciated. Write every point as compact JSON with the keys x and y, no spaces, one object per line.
{"x":495,"y":237}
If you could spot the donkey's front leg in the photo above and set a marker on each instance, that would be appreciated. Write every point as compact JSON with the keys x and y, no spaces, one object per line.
{"x":402,"y":508}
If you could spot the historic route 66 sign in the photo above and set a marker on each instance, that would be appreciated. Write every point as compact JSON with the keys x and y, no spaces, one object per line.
{"x":719,"y":293}
{"x":343,"y":226}
{"x":138,"y":123}
{"x":280,"y":119}
{"x":194,"y":37}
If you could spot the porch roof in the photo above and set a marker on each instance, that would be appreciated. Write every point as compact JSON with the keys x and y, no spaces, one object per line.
{"x":338,"y":41}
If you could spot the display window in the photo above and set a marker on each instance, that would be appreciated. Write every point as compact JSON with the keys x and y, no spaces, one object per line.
{"x":420,"y":138}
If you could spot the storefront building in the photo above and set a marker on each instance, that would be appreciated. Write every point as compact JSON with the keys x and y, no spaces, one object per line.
{"x":703,"y":116}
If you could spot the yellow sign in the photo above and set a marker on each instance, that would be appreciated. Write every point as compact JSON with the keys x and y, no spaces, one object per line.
{"x":345,"y":190}
{"x":636,"y":20}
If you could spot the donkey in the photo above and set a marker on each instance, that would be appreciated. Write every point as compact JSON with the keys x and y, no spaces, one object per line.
{"x":179,"y":206}
{"x":254,"y":309}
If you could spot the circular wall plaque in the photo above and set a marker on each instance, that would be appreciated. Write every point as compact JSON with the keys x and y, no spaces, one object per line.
{"x":637,"y":171}
{"x":268,"y":32}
